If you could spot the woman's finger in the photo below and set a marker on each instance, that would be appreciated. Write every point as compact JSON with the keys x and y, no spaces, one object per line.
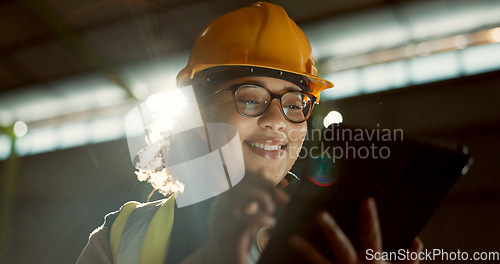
{"x":241,"y":198}
{"x":236,"y":238}
{"x":257,"y":182}
{"x":280,"y":197}
{"x":248,"y":226}
{"x":341,"y":246}
{"x":371,"y":236}
{"x":264,"y":182}
{"x":259,"y":220}
{"x":417,"y":246}
{"x":307,"y":250}
{"x":252,"y":208}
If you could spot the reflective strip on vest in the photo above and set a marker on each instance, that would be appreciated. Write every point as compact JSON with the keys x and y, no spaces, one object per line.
{"x":141,"y":232}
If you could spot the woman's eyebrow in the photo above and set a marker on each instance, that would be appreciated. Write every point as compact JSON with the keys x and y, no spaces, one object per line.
{"x":263,"y":84}
{"x":253,"y":82}
{"x":293,"y":88}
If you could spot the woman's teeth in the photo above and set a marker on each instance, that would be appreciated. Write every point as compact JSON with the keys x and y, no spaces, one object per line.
{"x":265,"y":146}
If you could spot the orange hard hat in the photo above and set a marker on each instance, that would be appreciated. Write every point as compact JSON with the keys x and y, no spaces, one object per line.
{"x":261,"y":35}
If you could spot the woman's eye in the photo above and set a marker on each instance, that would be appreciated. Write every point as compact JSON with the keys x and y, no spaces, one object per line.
{"x":294,"y":107}
{"x":247,"y":101}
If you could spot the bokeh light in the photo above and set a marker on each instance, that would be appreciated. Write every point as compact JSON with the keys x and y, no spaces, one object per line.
{"x":333,"y":117}
{"x":494,"y":34}
{"x":20,"y":128}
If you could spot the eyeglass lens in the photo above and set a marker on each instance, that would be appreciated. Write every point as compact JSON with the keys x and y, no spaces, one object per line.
{"x":252,"y":100}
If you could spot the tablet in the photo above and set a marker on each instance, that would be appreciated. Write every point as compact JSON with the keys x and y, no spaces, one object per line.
{"x":407,"y":177}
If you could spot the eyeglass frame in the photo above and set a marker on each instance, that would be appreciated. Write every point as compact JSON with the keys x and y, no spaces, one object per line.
{"x":273,"y":96}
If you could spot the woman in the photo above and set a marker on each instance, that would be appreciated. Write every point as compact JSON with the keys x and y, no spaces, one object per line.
{"x":239,"y":65}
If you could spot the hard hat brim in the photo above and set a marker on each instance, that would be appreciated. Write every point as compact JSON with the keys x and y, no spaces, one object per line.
{"x":316,"y":84}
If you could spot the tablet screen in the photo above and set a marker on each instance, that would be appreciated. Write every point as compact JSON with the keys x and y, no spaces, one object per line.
{"x":408,"y":179}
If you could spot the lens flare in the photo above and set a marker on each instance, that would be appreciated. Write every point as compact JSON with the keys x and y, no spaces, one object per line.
{"x":323,"y":172}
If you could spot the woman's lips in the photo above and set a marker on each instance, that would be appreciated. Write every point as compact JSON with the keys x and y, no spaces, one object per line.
{"x":267,"y":148}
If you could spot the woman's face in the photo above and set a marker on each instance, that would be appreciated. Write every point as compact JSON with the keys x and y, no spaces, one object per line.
{"x":270,"y":143}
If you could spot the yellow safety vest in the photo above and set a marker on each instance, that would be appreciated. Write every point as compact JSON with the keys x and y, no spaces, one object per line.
{"x":141,"y":232}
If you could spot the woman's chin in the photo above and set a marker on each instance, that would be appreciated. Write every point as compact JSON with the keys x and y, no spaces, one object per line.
{"x":271,"y":167}
{"x":272,"y":172}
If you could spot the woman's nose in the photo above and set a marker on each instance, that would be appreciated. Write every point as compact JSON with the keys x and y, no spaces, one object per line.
{"x":273,"y":117}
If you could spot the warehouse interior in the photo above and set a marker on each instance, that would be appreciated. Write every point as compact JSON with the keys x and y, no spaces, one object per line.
{"x":70,"y":71}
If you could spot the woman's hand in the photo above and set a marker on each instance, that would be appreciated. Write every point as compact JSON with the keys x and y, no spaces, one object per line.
{"x":238,"y":214}
{"x":342,"y":248}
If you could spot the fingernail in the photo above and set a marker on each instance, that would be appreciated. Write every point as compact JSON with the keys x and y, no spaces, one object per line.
{"x":271,"y":221}
{"x":367,"y":203}
{"x":371,"y":203}
{"x":327,"y":218}
{"x":252,"y":208}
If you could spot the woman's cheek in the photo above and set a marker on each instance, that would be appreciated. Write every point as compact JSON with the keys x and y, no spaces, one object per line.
{"x":296,"y":137}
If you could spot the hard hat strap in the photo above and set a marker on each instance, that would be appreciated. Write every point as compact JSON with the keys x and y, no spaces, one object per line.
{"x":213,"y":76}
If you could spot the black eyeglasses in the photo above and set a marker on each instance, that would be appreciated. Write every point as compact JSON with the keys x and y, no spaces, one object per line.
{"x":252,"y":100}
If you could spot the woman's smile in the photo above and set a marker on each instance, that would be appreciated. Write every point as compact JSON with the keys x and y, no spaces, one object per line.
{"x":269,"y":148}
